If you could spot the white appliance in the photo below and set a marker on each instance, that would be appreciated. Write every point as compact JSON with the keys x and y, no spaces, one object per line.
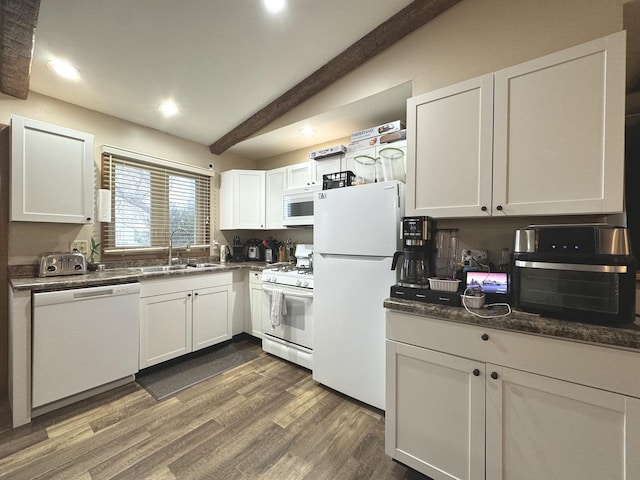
{"x":297,"y":206}
{"x":83,"y":338}
{"x":287,"y":309}
{"x":357,"y":231}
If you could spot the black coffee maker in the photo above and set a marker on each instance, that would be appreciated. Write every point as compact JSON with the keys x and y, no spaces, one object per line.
{"x":419,"y":263}
{"x":418,"y":259}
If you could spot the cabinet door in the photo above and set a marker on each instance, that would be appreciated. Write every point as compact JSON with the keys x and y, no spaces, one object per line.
{"x":435,"y":412}
{"x":449,"y":150}
{"x":324,"y":167}
{"x":51,"y":173}
{"x":255,"y":305}
{"x":211,"y":316}
{"x":559,"y":131}
{"x":242,"y":199}
{"x":250,"y":199}
{"x":165,"y":327}
{"x":540,"y":427}
{"x":299,"y":175}
{"x":276,"y":184}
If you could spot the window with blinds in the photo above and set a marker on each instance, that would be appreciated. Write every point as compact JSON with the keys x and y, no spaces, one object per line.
{"x":153,"y":201}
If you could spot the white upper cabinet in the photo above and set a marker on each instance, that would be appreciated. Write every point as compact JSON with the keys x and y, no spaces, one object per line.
{"x":299,"y":175}
{"x":449,"y":150}
{"x":325,"y":166}
{"x":544,"y":137}
{"x":51,"y":173}
{"x":559,"y":131}
{"x":252,"y":199}
{"x":242,"y":199}
{"x":276,"y":184}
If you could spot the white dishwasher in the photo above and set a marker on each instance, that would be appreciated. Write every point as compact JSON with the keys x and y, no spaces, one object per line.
{"x":83,"y":338}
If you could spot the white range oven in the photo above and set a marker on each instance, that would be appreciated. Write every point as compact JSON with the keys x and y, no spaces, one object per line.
{"x":287,"y":313}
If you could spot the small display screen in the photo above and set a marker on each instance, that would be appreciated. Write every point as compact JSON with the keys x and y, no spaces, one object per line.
{"x":489,"y":282}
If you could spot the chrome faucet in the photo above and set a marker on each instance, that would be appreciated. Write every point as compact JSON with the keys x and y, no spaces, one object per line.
{"x":171,"y":243}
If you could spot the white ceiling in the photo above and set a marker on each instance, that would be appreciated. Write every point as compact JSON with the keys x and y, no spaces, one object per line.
{"x":220,"y":60}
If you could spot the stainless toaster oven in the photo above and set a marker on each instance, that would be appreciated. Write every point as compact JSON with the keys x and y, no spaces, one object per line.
{"x":583,"y":272}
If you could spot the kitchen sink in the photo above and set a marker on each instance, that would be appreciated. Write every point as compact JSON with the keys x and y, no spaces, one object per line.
{"x":171,"y":268}
{"x":159,"y":268}
{"x":205,"y":265}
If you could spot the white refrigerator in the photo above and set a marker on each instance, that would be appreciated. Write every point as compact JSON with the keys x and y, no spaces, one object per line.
{"x":356,"y":232}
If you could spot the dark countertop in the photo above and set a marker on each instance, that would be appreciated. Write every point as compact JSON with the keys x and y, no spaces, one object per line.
{"x":117,"y":276}
{"x":622,"y":337}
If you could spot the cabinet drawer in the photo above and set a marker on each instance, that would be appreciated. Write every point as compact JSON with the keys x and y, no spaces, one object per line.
{"x":597,"y":366}
{"x":255,"y":278}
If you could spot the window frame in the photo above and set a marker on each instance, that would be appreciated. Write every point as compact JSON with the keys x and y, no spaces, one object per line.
{"x":159,"y":236}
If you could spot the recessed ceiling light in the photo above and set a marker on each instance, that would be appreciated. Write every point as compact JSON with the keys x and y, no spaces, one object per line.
{"x":168,"y":108}
{"x":64,"y":69}
{"x":274,"y":6}
{"x":307,"y":131}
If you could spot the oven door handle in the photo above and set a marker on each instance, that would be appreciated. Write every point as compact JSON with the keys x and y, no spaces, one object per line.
{"x":573,"y":266}
{"x":287,"y":292}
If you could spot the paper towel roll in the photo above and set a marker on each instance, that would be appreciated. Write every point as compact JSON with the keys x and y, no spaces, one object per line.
{"x":103,"y":213}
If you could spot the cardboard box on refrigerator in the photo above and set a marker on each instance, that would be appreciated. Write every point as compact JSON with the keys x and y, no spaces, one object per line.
{"x":377,"y":131}
{"x":384,"y":139}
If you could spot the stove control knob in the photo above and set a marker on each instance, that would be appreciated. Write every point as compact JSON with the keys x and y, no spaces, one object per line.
{"x":298,"y":283}
{"x":305,"y":284}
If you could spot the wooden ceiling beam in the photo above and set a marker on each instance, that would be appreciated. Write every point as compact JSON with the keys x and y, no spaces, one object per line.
{"x":17,"y":30}
{"x":410,"y":18}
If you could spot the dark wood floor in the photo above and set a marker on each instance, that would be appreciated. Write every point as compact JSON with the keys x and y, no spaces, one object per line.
{"x":266,"y":419}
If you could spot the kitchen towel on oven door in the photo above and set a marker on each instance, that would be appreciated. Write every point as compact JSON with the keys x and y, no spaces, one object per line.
{"x":278,"y":307}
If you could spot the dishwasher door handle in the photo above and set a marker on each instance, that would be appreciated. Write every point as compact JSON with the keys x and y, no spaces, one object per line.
{"x":80,"y":295}
{"x":84,"y":293}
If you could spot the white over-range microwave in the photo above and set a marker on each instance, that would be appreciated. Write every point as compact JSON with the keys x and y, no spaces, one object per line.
{"x":297,"y":206}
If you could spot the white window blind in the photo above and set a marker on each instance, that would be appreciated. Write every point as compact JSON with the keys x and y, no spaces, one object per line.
{"x":152,"y":201}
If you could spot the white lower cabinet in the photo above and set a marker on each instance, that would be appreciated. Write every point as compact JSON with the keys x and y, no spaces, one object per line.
{"x":540,"y":427}
{"x":165,"y":327}
{"x":255,"y":304}
{"x":211,"y":316}
{"x":453,"y":417}
{"x":181,"y":315}
{"x":435,"y":412}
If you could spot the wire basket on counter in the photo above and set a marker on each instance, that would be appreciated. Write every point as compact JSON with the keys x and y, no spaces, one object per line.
{"x":338,"y":179}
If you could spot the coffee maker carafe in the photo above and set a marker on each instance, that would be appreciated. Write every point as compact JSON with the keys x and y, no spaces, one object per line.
{"x":417,"y":254}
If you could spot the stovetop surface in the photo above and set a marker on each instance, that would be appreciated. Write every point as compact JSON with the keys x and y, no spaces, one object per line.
{"x":287,"y":274}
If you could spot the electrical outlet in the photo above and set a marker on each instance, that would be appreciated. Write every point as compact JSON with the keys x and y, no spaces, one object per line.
{"x":81,"y":246}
